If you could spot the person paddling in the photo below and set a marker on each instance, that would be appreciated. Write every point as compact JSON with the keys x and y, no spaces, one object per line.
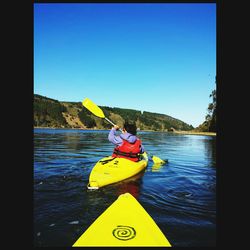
{"x":128,"y":145}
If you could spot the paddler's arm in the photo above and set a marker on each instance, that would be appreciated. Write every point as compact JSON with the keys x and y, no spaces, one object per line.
{"x":142,"y":149}
{"x":117,"y":140}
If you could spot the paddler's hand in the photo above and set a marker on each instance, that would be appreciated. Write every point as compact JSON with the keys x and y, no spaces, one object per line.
{"x":116,"y":127}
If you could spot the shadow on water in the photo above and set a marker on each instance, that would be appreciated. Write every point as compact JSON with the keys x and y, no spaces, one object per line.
{"x":180,"y":195}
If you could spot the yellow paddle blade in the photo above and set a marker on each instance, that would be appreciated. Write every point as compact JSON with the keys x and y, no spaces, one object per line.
{"x":145,"y":156}
{"x":93,"y":108}
{"x":157,"y":160}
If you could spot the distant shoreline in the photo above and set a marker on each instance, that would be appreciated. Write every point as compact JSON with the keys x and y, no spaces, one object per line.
{"x":195,"y":133}
{"x":174,"y":132}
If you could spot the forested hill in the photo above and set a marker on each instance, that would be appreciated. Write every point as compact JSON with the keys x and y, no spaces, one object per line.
{"x":58,"y":114}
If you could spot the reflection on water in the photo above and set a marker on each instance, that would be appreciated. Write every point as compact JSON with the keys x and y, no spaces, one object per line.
{"x":180,"y":195}
{"x":156,"y":167}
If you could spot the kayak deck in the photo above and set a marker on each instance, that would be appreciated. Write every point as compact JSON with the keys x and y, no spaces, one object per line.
{"x":123,"y":223}
{"x":111,"y":170}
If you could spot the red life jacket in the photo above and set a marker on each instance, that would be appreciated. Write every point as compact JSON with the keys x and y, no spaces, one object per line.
{"x":128,"y":150}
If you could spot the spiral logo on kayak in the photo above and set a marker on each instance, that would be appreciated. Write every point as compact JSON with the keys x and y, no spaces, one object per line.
{"x":124,"y":232}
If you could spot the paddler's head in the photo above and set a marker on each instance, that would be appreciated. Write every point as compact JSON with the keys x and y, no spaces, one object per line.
{"x":130,"y":127}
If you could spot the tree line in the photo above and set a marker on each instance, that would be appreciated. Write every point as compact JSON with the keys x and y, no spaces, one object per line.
{"x":49,"y":113}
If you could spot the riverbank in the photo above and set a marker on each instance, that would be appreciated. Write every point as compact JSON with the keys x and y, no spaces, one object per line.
{"x":195,"y":133}
{"x":176,"y":131}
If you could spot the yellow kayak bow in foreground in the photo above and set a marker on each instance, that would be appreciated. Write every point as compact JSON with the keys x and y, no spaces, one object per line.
{"x":123,"y":223}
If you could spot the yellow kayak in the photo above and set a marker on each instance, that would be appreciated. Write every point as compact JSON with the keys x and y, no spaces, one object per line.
{"x":123,"y":223}
{"x":111,"y":170}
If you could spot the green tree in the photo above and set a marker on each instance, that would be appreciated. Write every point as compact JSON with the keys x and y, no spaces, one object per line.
{"x":209,"y":125}
{"x":211,"y":117}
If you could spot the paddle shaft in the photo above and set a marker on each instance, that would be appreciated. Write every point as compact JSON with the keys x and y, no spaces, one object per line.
{"x":111,"y":123}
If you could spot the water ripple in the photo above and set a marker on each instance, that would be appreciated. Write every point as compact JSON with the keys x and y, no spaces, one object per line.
{"x":180,"y":195}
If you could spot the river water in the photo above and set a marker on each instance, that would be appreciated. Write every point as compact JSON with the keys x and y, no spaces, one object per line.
{"x":180,"y":196}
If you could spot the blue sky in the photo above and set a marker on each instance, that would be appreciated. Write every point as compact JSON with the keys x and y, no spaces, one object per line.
{"x":150,"y":57}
